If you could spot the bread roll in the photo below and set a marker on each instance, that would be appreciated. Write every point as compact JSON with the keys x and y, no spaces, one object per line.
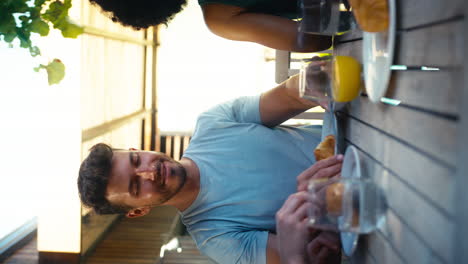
{"x":325,"y":149}
{"x":371,"y":15}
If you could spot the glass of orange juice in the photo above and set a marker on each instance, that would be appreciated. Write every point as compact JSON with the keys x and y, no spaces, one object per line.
{"x":327,"y":79}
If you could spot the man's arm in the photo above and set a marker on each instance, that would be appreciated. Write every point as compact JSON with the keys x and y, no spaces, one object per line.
{"x":283,"y":102}
{"x":272,"y":250}
{"x":234,"y":23}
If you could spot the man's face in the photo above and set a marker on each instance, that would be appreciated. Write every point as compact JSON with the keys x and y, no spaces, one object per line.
{"x":142,"y":178}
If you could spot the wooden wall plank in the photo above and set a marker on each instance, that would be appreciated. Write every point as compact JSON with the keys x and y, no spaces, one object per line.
{"x":435,"y":91}
{"x":435,"y":137}
{"x":413,"y":146}
{"x":415,"y":213}
{"x":413,"y":13}
{"x":408,"y":243}
{"x":361,"y":255}
{"x":186,"y":142}
{"x":433,"y":182}
{"x":176,"y":146}
{"x":168,"y":145}
{"x":437,"y":46}
{"x":461,"y":176}
{"x":417,"y":13}
{"x":405,"y":225}
{"x":159,"y":143}
{"x":381,"y":250}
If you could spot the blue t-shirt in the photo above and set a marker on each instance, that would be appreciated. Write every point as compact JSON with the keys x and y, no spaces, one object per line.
{"x":247,"y":171}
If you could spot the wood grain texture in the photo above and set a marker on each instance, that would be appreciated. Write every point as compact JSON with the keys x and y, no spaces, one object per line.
{"x":432,"y":136}
{"x":26,"y":255}
{"x":135,"y":240}
{"x":418,"y":13}
{"x":461,"y":176}
{"x":189,"y":254}
{"x":361,"y":255}
{"x":410,"y":218}
{"x":433,"y":182}
{"x":434,"y":91}
{"x":93,"y":228}
{"x":412,"y":13}
{"x":409,"y":244}
{"x":381,"y":250}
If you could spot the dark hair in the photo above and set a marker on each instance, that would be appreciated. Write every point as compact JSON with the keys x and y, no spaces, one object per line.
{"x":93,"y":178}
{"x":141,"y":13}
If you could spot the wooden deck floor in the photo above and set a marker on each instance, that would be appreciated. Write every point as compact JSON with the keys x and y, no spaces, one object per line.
{"x":131,"y":241}
{"x":25,"y":255}
{"x":136,"y":240}
{"x":189,"y":254}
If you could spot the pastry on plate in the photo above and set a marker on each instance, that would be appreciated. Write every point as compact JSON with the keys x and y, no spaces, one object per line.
{"x":371,"y":15}
{"x":326,"y":148}
{"x":333,"y":196}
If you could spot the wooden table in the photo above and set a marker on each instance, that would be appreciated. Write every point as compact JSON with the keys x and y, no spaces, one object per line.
{"x":417,"y":151}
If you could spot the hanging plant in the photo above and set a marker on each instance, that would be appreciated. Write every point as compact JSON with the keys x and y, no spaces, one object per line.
{"x":19,"y":19}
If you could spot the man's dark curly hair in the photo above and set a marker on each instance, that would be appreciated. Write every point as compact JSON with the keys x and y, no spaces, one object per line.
{"x":93,"y":178}
{"x":141,"y":13}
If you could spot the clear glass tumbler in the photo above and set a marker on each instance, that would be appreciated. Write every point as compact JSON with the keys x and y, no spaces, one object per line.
{"x":325,"y":17}
{"x":330,"y":79}
{"x":315,"y":80}
{"x":346,"y":204}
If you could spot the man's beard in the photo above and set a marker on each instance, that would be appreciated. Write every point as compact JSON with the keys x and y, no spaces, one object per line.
{"x":167,"y":193}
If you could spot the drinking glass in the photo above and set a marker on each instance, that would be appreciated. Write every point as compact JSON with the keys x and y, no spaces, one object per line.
{"x":346,"y":204}
{"x":315,"y":80}
{"x":326,"y":79}
{"x":325,"y":17}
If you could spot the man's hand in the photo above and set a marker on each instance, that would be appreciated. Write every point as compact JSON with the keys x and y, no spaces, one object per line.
{"x":298,"y":243}
{"x":326,"y":168}
{"x":324,"y":249}
{"x":292,"y":231}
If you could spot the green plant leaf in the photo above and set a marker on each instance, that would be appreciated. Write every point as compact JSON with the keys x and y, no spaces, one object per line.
{"x":7,"y":23}
{"x":57,"y":12}
{"x":55,"y":71}
{"x":35,"y":51}
{"x":9,"y":37}
{"x":20,"y":18}
{"x":39,"y":2}
{"x":71,"y":30}
{"x":40,"y":27}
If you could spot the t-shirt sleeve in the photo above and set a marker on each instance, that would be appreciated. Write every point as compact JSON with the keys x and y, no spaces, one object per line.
{"x":237,"y":247}
{"x":244,"y":109}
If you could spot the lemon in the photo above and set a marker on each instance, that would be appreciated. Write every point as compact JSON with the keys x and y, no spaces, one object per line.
{"x":346,"y":78}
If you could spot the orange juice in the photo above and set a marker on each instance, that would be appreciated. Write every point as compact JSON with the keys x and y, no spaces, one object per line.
{"x":346,"y":78}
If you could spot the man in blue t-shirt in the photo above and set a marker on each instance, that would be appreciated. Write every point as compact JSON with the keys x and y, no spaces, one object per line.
{"x":240,"y":186}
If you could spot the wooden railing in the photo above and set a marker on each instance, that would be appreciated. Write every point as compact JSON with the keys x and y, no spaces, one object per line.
{"x":173,"y":143}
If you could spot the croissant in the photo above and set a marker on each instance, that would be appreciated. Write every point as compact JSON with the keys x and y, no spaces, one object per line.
{"x":333,"y":197}
{"x":325,"y":149}
{"x":371,"y":15}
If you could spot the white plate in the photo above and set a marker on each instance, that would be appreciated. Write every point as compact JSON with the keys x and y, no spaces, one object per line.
{"x":377,"y":57}
{"x":330,"y":127}
{"x":349,"y":242}
{"x":351,"y":169}
{"x":329,"y":124}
